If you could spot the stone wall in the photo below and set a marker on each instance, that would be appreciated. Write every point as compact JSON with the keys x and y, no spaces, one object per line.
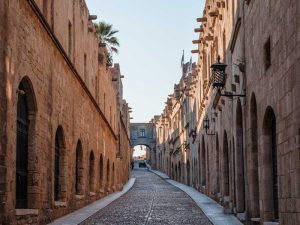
{"x":248,"y":158}
{"x":58,"y":65}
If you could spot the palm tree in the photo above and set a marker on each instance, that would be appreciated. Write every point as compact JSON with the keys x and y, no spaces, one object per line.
{"x":106,"y":34}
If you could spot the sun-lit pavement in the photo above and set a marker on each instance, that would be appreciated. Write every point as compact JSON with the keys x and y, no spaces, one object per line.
{"x":150,"y":201}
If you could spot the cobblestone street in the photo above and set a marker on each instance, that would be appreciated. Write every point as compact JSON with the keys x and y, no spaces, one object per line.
{"x":150,"y":201}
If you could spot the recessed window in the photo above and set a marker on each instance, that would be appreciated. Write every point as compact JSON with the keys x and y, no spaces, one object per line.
{"x":142,"y":133}
{"x":267,"y":53}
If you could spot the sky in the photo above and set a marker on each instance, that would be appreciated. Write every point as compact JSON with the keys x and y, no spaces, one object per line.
{"x":152,"y":35}
{"x":139,"y":150}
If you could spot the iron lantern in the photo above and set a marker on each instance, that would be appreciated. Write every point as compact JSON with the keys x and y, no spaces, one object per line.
{"x":206,"y":125}
{"x":218,"y":74}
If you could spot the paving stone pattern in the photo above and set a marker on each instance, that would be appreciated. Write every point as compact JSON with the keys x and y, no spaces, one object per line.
{"x":150,"y":201}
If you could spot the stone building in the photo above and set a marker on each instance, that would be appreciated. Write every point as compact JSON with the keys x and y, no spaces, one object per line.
{"x":143,"y":134}
{"x":64,"y":123}
{"x":240,"y":145}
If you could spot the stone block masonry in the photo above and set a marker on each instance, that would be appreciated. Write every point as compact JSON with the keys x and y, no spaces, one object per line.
{"x":248,"y":158}
{"x":64,"y":131}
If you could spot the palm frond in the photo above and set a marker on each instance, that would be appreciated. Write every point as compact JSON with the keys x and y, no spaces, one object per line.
{"x":107,"y":36}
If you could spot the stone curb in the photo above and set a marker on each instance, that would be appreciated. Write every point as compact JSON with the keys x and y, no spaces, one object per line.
{"x":82,"y":214}
{"x":210,"y":208}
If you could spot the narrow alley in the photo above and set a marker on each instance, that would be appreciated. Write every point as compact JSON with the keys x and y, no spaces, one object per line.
{"x":150,"y":201}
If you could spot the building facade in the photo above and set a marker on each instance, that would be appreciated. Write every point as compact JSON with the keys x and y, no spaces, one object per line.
{"x":143,"y":134}
{"x":240,"y":145}
{"x":64,"y":123}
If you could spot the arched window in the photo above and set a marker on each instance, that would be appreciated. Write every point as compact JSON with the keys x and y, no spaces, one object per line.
{"x":79,"y":169}
{"x":101,"y":171}
{"x":25,"y":135}
{"x":91,"y":171}
{"x":270,"y":167}
{"x":253,"y":162}
{"x":59,"y":166}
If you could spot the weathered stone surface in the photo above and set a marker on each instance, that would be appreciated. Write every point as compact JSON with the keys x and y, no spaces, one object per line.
{"x":150,"y":201}
{"x":259,"y":42}
{"x":46,"y":45}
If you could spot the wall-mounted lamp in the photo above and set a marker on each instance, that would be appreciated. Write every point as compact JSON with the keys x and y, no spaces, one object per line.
{"x":206,"y":125}
{"x":219,"y":78}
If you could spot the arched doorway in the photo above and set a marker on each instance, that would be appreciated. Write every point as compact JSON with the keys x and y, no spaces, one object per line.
{"x":91,"y":172}
{"x":176,"y":173}
{"x":25,"y":135}
{"x":203,"y":163}
{"x":79,"y":169}
{"x":239,"y":161}
{"x":188,"y":170}
{"x":253,"y":162}
{"x":172,"y":172}
{"x":113,"y":175}
{"x":270,"y":166}
{"x":179,"y":171}
{"x":59,"y":165}
{"x":225,"y":166}
{"x":107,"y":175}
{"x":101,"y":171}
{"x":217,"y":165}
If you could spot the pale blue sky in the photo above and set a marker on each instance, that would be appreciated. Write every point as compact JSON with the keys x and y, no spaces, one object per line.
{"x":152,"y":35}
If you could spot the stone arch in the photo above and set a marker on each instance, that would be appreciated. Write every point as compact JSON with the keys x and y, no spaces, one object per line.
{"x":225,"y":166}
{"x":239,"y":160}
{"x":253,"y":161}
{"x":188,"y":171}
{"x":270,"y":166}
{"x":25,"y":147}
{"x":203,"y":163}
{"x":79,"y":169}
{"x":92,"y":172}
{"x":101,"y":180}
{"x":60,"y":166}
